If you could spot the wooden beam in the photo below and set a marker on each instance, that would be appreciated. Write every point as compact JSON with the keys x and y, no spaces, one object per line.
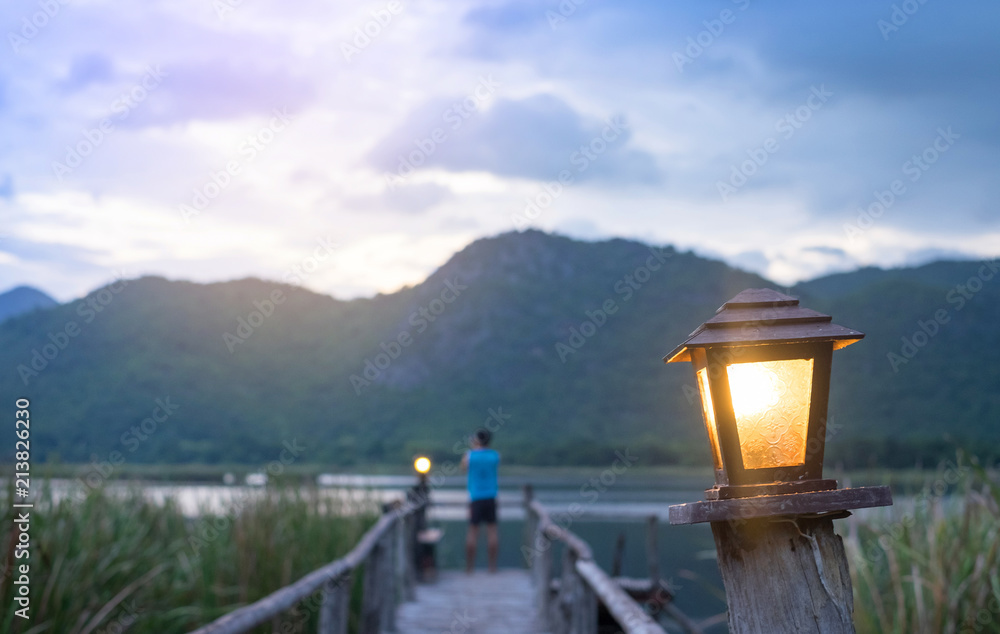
{"x":816,"y":502}
{"x":629,"y":615}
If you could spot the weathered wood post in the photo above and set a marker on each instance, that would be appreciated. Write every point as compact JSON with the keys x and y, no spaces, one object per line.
{"x":388,"y":578}
{"x":619,"y":555}
{"x":542,"y":568}
{"x":335,"y":607}
{"x":653,"y":550}
{"x":530,"y":523}
{"x":755,"y":559}
{"x":403,"y":593}
{"x":371,"y":596}
{"x":762,"y":366}
{"x":577,"y":603}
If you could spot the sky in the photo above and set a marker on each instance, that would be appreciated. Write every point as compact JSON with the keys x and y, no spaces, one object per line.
{"x":354,"y":147}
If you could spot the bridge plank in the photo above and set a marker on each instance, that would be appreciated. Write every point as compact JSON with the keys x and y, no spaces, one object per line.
{"x":481,"y":603}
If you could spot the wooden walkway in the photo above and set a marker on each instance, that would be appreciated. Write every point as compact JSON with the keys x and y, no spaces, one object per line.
{"x":508,"y":602}
{"x":481,"y":603}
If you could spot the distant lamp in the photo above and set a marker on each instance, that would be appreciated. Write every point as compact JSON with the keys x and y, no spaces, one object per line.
{"x":422,"y":464}
{"x":762,"y":365}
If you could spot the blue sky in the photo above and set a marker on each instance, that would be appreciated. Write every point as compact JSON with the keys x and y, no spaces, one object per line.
{"x":219,"y":139}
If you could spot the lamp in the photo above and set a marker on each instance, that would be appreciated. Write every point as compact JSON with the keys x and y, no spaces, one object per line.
{"x":422,"y":464}
{"x":762,"y":365}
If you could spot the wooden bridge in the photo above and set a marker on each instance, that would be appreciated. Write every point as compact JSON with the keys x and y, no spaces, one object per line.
{"x":583,"y":599}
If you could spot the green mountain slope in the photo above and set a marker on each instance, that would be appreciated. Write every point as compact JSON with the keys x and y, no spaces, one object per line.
{"x":23,"y":299}
{"x":558,"y":342}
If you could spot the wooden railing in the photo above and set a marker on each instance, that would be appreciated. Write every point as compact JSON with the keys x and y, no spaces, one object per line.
{"x":570,"y":603}
{"x":387,"y":553}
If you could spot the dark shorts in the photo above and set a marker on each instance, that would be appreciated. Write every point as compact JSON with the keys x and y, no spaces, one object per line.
{"x":483,"y":511}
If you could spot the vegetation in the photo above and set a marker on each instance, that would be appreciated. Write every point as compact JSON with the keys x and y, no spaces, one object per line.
{"x":933,"y":565}
{"x":237,"y":393}
{"x":116,"y":561}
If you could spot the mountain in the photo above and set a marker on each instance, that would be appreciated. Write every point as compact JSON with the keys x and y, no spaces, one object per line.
{"x":23,"y":299}
{"x":554,"y":343}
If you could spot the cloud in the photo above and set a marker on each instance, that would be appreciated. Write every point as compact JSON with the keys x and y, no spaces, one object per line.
{"x":923,"y":256}
{"x":219,"y":90}
{"x":504,"y":17}
{"x":86,"y":70}
{"x":535,"y":138}
{"x":939,"y":51}
{"x":833,"y":252}
{"x":580,"y":228}
{"x":414,"y":199}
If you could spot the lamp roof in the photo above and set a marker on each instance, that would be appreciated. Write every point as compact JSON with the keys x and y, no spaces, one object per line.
{"x":759,"y":316}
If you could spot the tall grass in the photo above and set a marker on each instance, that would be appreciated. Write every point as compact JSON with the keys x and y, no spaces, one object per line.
{"x":932,"y":566}
{"x":116,"y":561}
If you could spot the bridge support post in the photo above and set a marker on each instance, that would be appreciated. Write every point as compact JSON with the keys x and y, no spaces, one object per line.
{"x":404,"y":591}
{"x":653,"y":549}
{"x":388,"y":581}
{"x":541,"y":567}
{"x":577,"y":604}
{"x":371,"y":596}
{"x":334,"y":609}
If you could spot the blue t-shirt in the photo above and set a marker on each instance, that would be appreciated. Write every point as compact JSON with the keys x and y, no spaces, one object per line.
{"x":483,"y":465}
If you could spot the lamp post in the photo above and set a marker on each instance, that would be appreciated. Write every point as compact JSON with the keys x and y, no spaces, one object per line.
{"x":762,"y":365}
{"x":422,"y":465}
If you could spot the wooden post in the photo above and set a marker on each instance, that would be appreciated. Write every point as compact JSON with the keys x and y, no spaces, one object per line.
{"x":409,"y":557}
{"x":371,"y":596}
{"x":530,"y":521}
{"x":388,"y":578}
{"x":399,"y":560}
{"x":616,"y":561}
{"x":576,"y":600}
{"x":542,"y":567}
{"x":653,"y":550}
{"x":336,"y":605}
{"x":785,"y":575}
{"x":784,"y":568}
{"x":419,"y":524}
{"x":415,"y":547}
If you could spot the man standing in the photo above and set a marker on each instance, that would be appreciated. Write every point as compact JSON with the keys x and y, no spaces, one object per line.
{"x":481,"y":463}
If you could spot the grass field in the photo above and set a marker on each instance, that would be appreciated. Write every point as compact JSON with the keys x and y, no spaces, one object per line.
{"x":932,"y":565}
{"x":107,"y":563}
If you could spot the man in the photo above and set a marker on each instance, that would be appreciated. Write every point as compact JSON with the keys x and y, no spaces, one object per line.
{"x":481,"y":463}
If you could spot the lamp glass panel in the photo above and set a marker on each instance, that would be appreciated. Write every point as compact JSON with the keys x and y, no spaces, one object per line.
{"x":771,"y":402}
{"x":709,"y":412}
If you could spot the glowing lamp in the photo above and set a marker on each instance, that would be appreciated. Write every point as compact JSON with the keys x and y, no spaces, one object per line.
{"x":422,"y":464}
{"x":762,"y":365}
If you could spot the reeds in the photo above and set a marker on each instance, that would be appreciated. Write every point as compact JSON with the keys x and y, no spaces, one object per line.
{"x":116,"y":561}
{"x":932,"y":565}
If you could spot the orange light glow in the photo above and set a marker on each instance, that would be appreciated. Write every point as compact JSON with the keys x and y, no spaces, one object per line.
{"x":771,"y":402}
